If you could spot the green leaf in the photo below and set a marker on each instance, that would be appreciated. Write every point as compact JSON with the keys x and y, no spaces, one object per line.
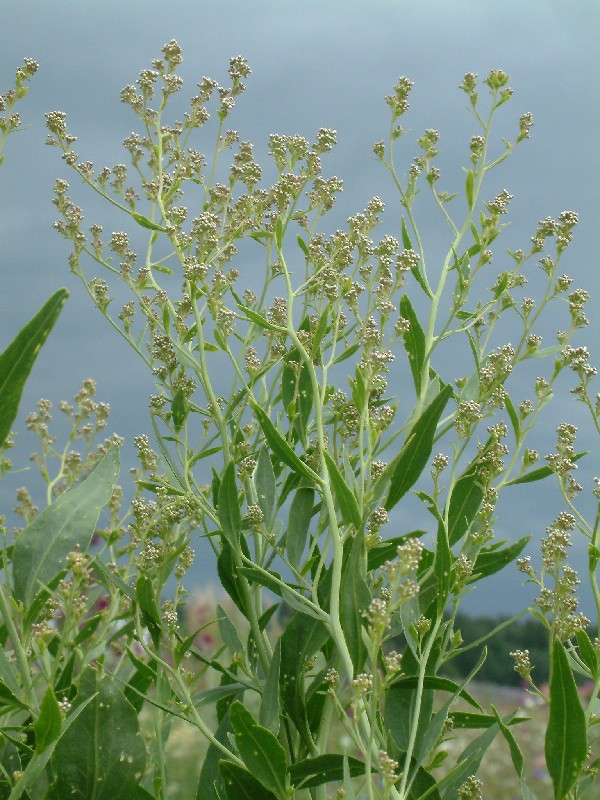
{"x":469,"y":188}
{"x":417,"y":449}
{"x":91,"y":748}
{"x":259,"y":320}
{"x":343,"y":494}
{"x":260,"y":750}
{"x":209,"y":774}
{"x":322,"y":769}
{"x":280,"y":447}
{"x":442,"y":566}
{"x":301,"y":639}
{"x":414,"y":342}
{"x":299,"y":523}
{"x":146,"y":223}
{"x":468,"y":763}
{"x":465,"y":501}
{"x":354,"y":599}
{"x":566,"y":734}
{"x":416,"y":271}
{"x":270,"y":704}
{"x":279,"y":233}
{"x":264,"y":482}
{"x":230,"y":516}
{"x":240,"y":784}
{"x":179,"y":409}
{"x":41,"y":550}
{"x":227,"y":572}
{"x":228,"y":631}
{"x":303,"y":246}
{"x":541,"y":472}
{"x":386,"y":550}
{"x":144,"y":595}
{"x":515,"y":754}
{"x":48,"y":724}
{"x":18,"y":359}
{"x":491,"y":560}
{"x":349,"y":351}
{"x":588,"y":654}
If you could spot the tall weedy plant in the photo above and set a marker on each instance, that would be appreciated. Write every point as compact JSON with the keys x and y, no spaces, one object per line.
{"x":294,"y":471}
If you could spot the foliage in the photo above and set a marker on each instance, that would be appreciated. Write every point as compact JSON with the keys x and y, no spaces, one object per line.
{"x":282,"y":473}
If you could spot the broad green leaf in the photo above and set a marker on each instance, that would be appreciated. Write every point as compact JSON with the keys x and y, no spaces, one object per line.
{"x":354,"y":599}
{"x":211,"y":696}
{"x":102,"y":755}
{"x":260,"y":750}
{"x":491,"y":560}
{"x":417,"y":449}
{"x":280,"y":447}
{"x":228,"y":631}
{"x":465,"y":502}
{"x":296,"y":393}
{"x":301,"y":639}
{"x":414,"y":342}
{"x":37,"y":764}
{"x":138,"y":684}
{"x":322,"y":769}
{"x":230,"y":516}
{"x":299,"y":523}
{"x":240,"y":784}
{"x":18,"y":358}
{"x":566,"y":734}
{"x":48,"y":724}
{"x":10,"y":699}
{"x":343,"y":494}
{"x":269,"y":704}
{"x":42,"y":548}
{"x":399,"y":710}
{"x":439,"y":684}
{"x":268,"y":578}
{"x":264,"y":482}
{"x":470,"y":721}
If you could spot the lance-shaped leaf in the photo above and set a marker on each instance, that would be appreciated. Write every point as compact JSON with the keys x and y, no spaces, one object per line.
{"x":343,"y":494}
{"x":280,"y":447}
{"x":491,"y":560}
{"x":264,"y":481}
{"x":298,"y":523}
{"x":541,"y":473}
{"x":354,"y":599}
{"x":414,"y":341}
{"x":101,"y":756}
{"x":240,"y":784}
{"x":417,"y":449}
{"x":41,"y":549}
{"x":465,"y":502}
{"x":301,"y":639}
{"x":270,"y":705}
{"x":209,"y":775}
{"x":48,"y":724}
{"x":229,"y":507}
{"x":260,"y":750}
{"x":566,"y":734}
{"x":18,"y":359}
{"x":322,"y":769}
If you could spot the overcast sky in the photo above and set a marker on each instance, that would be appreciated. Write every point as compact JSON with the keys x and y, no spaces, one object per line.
{"x":314,"y":64}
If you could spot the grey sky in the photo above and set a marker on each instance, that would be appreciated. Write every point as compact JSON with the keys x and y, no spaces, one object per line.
{"x":314,"y":64}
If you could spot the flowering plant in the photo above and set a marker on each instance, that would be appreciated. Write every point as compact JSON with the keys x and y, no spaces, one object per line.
{"x":338,"y":617}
